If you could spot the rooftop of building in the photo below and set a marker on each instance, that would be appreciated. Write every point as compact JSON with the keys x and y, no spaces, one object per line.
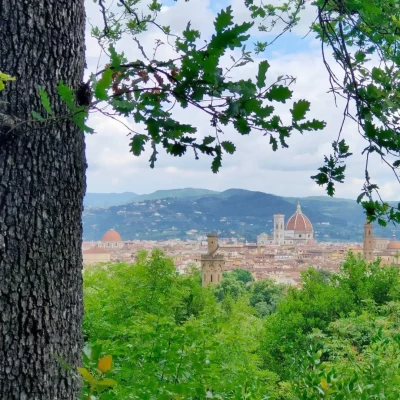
{"x":299,"y":222}
{"x":111,"y":236}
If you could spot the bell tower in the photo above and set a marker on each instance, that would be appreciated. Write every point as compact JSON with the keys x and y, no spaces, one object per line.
{"x":368,"y":242}
{"x":212,"y":243}
{"x":279,"y":229}
{"x":212,"y":263}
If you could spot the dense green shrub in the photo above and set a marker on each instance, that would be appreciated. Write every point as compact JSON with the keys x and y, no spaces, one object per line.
{"x":357,"y":287}
{"x":171,"y":338}
{"x":336,"y":337}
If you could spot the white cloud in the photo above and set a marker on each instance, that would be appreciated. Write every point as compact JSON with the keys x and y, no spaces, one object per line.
{"x":254,"y":166}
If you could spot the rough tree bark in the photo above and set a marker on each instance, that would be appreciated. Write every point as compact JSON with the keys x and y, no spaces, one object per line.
{"x":42,"y":184}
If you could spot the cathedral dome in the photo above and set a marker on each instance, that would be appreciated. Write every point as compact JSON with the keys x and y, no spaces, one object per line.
{"x":393,"y":244}
{"x":111,"y":236}
{"x":299,"y":222}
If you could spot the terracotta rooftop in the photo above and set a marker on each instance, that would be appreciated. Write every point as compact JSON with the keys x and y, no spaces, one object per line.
{"x":111,"y":236}
{"x":95,"y":250}
{"x":393,"y":244}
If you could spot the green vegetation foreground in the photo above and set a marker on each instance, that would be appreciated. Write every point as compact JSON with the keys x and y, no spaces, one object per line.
{"x":336,"y":338}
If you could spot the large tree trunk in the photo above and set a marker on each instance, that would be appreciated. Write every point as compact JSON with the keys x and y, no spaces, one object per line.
{"x":42,"y":184}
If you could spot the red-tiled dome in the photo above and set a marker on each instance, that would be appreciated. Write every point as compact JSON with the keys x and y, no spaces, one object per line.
{"x":111,"y":236}
{"x":393,"y":244}
{"x":299,"y":222}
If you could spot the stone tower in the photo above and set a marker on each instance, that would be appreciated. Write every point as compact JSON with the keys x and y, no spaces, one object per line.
{"x":279,"y":229}
{"x":212,"y":263}
{"x":212,"y":243}
{"x":368,"y":242}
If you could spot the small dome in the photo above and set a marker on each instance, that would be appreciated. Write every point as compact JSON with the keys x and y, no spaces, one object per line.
{"x":393,"y":244}
{"x":111,"y":236}
{"x":299,"y":222}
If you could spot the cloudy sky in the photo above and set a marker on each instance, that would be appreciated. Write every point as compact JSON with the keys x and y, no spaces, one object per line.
{"x":112,"y":168}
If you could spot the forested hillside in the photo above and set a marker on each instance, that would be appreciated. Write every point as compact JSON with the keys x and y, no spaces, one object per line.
{"x":166,"y":337}
{"x":108,"y":199}
{"x":233,"y":213}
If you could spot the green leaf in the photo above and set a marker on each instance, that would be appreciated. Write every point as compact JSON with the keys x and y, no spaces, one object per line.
{"x":177,"y":149}
{"x":123,"y":106}
{"x":330,"y":189}
{"x":279,"y":93}
{"x":262,"y":71}
{"x":230,"y":38}
{"x":5,"y":78}
{"x":190,"y":34}
{"x":106,"y":382}
{"x":242,"y":126}
{"x":300,"y":109}
{"x":224,"y":19}
{"x":44,"y":98}
{"x":103,"y":85}
{"x":153,"y":157}
{"x":313,"y":125}
{"x":208,"y":140}
{"x":153,"y":127}
{"x":67,"y":95}
{"x":155,"y":6}
{"x":115,"y":58}
{"x":37,"y":116}
{"x":359,"y":56}
{"x":273,"y":142}
{"x":86,"y":375}
{"x":360,"y":197}
{"x":216,"y":163}
{"x":229,"y":147}
{"x":137,"y":144}
{"x":79,"y":118}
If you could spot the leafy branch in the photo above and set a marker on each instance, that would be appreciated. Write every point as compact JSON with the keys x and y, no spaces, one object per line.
{"x":148,"y":91}
{"x":356,"y":33}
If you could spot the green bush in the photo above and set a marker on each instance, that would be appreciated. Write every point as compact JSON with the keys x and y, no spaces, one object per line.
{"x":172,"y":339}
{"x":337,"y":337}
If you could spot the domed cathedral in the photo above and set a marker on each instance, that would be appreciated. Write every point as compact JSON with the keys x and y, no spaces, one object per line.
{"x":111,"y":240}
{"x":212,"y":263}
{"x":298,"y":230}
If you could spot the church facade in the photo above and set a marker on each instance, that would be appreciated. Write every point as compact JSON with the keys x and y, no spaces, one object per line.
{"x":298,"y":230}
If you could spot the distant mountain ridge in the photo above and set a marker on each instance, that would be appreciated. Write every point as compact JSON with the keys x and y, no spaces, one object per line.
{"x":176,"y":193}
{"x":189,"y":213}
{"x":117,"y":199}
{"x":108,"y":199}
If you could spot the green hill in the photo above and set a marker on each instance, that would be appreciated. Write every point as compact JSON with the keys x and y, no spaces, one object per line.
{"x":175,"y":193}
{"x":108,"y":199}
{"x":189,"y":213}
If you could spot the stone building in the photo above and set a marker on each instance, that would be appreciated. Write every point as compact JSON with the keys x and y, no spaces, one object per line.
{"x":298,"y":230}
{"x":388,"y":251}
{"x":212,"y":263}
{"x":368,"y":242}
{"x":95,"y":255}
